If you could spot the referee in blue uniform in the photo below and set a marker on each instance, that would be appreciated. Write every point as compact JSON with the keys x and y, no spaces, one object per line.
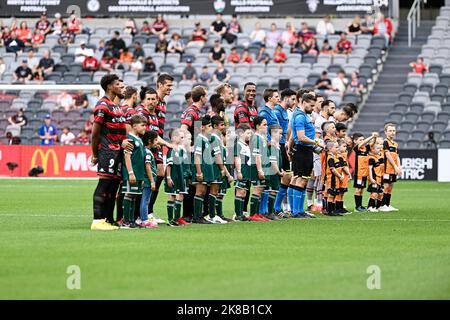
{"x":303,"y":133}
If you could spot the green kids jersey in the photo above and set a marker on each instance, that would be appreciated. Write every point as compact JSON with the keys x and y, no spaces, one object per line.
{"x":259,"y":147}
{"x":217,"y":150}
{"x":175,"y":161}
{"x":137,"y":159}
{"x":203,"y":148}
{"x":242,"y":150}
{"x":186,"y":163}
{"x":149,"y":158}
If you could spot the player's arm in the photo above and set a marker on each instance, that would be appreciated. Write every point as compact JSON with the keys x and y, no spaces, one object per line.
{"x":198,"y":159}
{"x":304,"y":139}
{"x":336,"y":173}
{"x":389,"y":158}
{"x":219,"y":161}
{"x":96,"y":131}
{"x":371,"y":178}
{"x":169,"y":176}
{"x":368,"y":140}
{"x":347,"y":171}
{"x":148,"y":169}
{"x":163,"y":142}
{"x":275,"y":168}
{"x":129,"y":166}
{"x":237,"y":165}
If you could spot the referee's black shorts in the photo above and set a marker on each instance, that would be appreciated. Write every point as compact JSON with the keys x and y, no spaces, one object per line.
{"x":285,"y":164}
{"x":302,"y":162}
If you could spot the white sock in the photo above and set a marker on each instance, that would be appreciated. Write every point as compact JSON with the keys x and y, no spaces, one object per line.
{"x":95,"y":221}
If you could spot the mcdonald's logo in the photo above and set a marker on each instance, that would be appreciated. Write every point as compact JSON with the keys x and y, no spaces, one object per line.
{"x":44,"y":157}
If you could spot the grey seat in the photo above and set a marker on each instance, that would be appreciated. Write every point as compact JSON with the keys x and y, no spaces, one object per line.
{"x":444,"y":144}
{"x":418,"y":135}
{"x":441,"y":88}
{"x":402,"y":135}
{"x":405,"y":97}
{"x":428,"y":116}
{"x":410,"y":87}
{"x":413,"y":144}
{"x":400,"y":107}
{"x":416,"y":107}
{"x":438,"y":97}
{"x":411,"y":116}
{"x":439,"y":126}
{"x":406,"y":125}
{"x":422,"y":125}
{"x":443,"y":116}
{"x":395,"y":117}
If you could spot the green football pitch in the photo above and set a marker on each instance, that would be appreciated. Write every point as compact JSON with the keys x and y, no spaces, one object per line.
{"x":45,"y":224}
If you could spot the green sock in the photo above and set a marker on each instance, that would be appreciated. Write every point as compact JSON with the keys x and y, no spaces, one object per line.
{"x":170,"y":207}
{"x":219,"y":207}
{"x":128,"y":210}
{"x":254,"y":204}
{"x":271,"y":205}
{"x":198,"y":207}
{"x":212,"y":205}
{"x":177,"y":209}
{"x":238,"y":206}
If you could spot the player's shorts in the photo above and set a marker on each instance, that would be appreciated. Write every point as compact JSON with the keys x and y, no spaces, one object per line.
{"x":158,"y":155}
{"x":389,"y":178}
{"x":273,"y":182}
{"x":317,"y":166}
{"x":359,"y":182}
{"x":179,"y":187}
{"x":242,"y":184}
{"x":110,"y":163}
{"x":302,"y":162}
{"x":224,"y":186}
{"x":136,"y":188}
{"x":332,"y":192}
{"x":254,"y":177}
{"x":217,"y":176}
{"x":285,"y":164}
{"x":375,"y":188}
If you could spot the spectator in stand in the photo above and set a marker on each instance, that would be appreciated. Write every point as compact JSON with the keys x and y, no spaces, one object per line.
{"x":325,"y":27}
{"x":246,"y":56}
{"x":149,"y":65}
{"x":383,"y":27}
{"x":340,"y":82}
{"x":14,"y":44}
{"x":24,"y":33}
{"x":344,"y":45}
{"x":67,"y":138}
{"x":217,"y":53}
{"x":43,"y":24}
{"x":23,"y":73}
{"x":234,"y":56}
{"x":37,"y":38}
{"x":18,"y":120}
{"x":93,"y":98}
{"x":218,"y":27}
{"x":108,"y":63}
{"x":233,"y":29}
{"x":356,"y":85}
{"x":297,"y":47}
{"x":305,"y":32}
{"x":309,"y":46}
{"x":46,"y":64}
{"x":101,"y":48}
{"x":117,"y":44}
{"x":161,"y":44}
{"x":89,"y":123}
{"x":258,"y":36}
{"x":137,"y":50}
{"x":323,"y":84}
{"x":273,"y":37}
{"x":14,"y":25}
{"x":263,"y":56}
{"x":279,"y":56}
{"x":221,"y":74}
{"x":32,"y":61}
{"x":74,"y":24}
{"x":137,"y":65}
{"x":189,"y":72}
{"x":66,"y":37}
{"x":48,"y":132}
{"x":205,"y":76}
{"x":65,"y":101}
{"x":146,"y":29}
{"x":125,"y":60}
{"x":367,"y":25}
{"x":82,"y":52}
{"x":289,"y":35}
{"x":57,"y":24}
{"x":419,"y":66}
{"x":159,"y":26}
{"x":326,"y":47}
{"x":198,"y":36}
{"x":81,"y":101}
{"x":130,"y":27}
{"x":83,"y":138}
{"x":2,"y":66}
{"x":91,"y":64}
{"x":354,"y":28}
{"x":176,"y":44}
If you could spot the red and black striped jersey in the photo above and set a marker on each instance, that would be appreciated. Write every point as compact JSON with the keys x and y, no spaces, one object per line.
{"x":189,"y":116}
{"x":128,"y":111}
{"x":113,"y":121}
{"x":245,"y":113}
{"x":160,"y":111}
{"x":152,"y":119}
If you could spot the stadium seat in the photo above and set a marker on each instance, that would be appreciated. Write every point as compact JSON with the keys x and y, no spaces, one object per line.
{"x":428,"y":116}
{"x":439,"y":125}
{"x":422,"y":125}
{"x":405,"y":97}
{"x":405,"y":125}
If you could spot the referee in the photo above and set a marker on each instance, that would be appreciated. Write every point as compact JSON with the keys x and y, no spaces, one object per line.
{"x":303,"y":133}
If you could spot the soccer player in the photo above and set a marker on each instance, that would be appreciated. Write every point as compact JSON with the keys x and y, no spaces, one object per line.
{"x":203,"y":172}
{"x":219,"y":170}
{"x":375,"y":162}
{"x":150,"y":140}
{"x":130,"y":101}
{"x":241,"y":164}
{"x":361,"y":149}
{"x":226,"y":180}
{"x":133,"y":170}
{"x":175,"y":184}
{"x":341,"y":130}
{"x":275,"y":174}
{"x":246,"y":111}
{"x":333,"y":177}
{"x":217,"y":106}
{"x":392,"y":166}
{"x":259,"y":163}
{"x":187,"y":172}
{"x":329,"y":134}
{"x":345,"y":113}
{"x":343,"y":169}
{"x":288,"y":101}
{"x":108,"y":142}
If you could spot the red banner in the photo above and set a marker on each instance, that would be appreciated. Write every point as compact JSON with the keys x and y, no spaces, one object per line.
{"x":57,"y":161}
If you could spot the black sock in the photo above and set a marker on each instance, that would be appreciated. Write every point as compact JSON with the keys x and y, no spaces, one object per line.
{"x":119,"y":205}
{"x":331,"y":207}
{"x":154,"y":195}
{"x":388,"y":201}
{"x":246,"y":199}
{"x":111,"y":200}
{"x":188,"y":202}
{"x":378,"y":203}
{"x":358,"y":201}
{"x":371,"y":203}
{"x":137,"y":207}
{"x":206,"y":202}
{"x":101,"y":199}
{"x":340,"y":205}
